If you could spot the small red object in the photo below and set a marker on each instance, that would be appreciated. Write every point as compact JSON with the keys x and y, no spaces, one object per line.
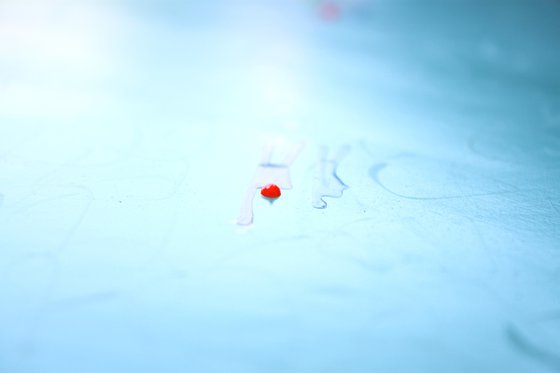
{"x":271,"y":191}
{"x":329,"y":11}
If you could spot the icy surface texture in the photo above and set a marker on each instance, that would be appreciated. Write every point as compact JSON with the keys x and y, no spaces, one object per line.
{"x":130,"y":131}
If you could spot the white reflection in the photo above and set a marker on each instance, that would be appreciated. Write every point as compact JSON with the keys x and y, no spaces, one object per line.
{"x":51,"y":54}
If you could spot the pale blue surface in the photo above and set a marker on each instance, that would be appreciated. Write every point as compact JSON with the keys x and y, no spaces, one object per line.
{"x":129,"y":132}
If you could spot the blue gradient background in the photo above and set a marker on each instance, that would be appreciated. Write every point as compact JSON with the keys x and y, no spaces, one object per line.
{"x":129,"y":131}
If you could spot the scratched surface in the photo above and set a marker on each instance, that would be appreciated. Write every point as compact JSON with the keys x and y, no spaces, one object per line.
{"x":129,"y":132}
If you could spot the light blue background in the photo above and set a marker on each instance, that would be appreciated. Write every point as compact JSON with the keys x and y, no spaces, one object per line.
{"x":129,"y":132}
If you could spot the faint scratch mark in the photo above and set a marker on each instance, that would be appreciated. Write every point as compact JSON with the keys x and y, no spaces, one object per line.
{"x":377,"y":168}
{"x":365,"y":147}
{"x":42,"y":313}
{"x":552,"y":119}
{"x":326,"y":182}
{"x":172,"y":183}
{"x":482,"y":240}
{"x":82,"y":300}
{"x":78,"y":222}
{"x":237,"y":253}
{"x":356,"y":221}
{"x":474,"y":223}
{"x":554,"y":207}
{"x":551,"y":316}
{"x":24,"y":207}
{"x":518,"y":341}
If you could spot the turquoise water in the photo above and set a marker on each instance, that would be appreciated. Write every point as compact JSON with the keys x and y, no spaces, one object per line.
{"x":130,"y":131}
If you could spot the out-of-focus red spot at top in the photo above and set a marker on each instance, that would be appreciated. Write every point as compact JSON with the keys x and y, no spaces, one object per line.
{"x":329,"y":11}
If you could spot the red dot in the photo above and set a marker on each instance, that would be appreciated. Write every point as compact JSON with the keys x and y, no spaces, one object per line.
{"x":329,"y":11}
{"x":271,"y":191}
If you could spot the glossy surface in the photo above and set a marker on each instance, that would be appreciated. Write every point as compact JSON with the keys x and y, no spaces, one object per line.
{"x":120,"y":122}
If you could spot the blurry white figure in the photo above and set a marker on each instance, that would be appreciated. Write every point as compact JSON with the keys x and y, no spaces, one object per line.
{"x":268,"y":173}
{"x":326,"y":182}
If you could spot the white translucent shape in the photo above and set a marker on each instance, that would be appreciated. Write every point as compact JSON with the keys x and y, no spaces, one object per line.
{"x":326,"y":182}
{"x":268,"y":173}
